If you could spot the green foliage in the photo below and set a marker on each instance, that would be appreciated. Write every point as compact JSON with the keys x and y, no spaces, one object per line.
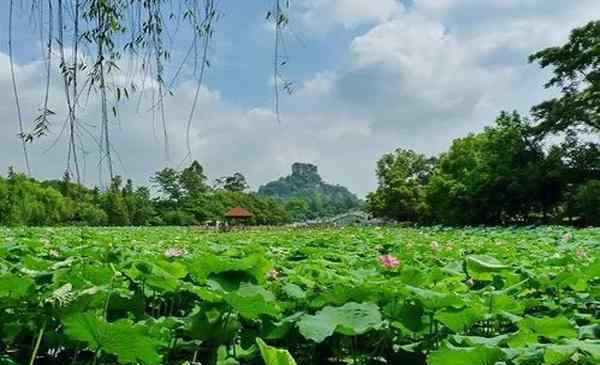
{"x":307,"y":196}
{"x":586,"y":202}
{"x":531,"y":328}
{"x":402,"y":178}
{"x":466,"y":356}
{"x":274,"y":356}
{"x":500,"y":176}
{"x":576,"y":69}
{"x":351,"y":319}
{"x":185,"y":199}
{"x":482,"y":267}
{"x":234,"y":183}
{"x":489,"y":178}
{"x":176,"y":296}
{"x":168,"y":182}
{"x":193,"y":180}
{"x":130,"y":343}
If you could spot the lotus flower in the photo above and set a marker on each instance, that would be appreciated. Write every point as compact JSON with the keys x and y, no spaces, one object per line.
{"x":389,"y":261}
{"x":273,"y":274}
{"x":581,"y":253}
{"x":568,"y":236}
{"x":54,"y":253}
{"x":435,"y":246}
{"x":175,"y":252}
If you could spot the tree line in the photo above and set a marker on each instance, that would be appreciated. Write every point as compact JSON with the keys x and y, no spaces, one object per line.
{"x":183,"y":198}
{"x":515,"y":171}
{"x":178,"y":198}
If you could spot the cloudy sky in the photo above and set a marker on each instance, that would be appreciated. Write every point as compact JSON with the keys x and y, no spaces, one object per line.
{"x":370,"y":76}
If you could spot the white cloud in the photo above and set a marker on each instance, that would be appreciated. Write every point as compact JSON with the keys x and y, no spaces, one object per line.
{"x":325,"y":15}
{"x":415,"y":77}
{"x":452,"y":65}
{"x":226,"y":138}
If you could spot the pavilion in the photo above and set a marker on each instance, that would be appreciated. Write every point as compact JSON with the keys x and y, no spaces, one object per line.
{"x":238,"y":215}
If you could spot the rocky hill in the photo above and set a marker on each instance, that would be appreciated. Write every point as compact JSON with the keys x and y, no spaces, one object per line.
{"x":307,"y":196}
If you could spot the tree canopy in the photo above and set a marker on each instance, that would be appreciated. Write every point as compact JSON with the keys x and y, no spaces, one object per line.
{"x":576,"y":71}
{"x":503,"y":175}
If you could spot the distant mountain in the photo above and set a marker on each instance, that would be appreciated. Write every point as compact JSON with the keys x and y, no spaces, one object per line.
{"x":307,"y":196}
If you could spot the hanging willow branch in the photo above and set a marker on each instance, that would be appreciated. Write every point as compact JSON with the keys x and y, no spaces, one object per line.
{"x":41,"y":124}
{"x":73,"y":117}
{"x":204,"y":31}
{"x":138,"y":27}
{"x":154,"y":28}
{"x":280,"y":21}
{"x":14,"y":85}
{"x":106,"y":15}
{"x":68,"y":76}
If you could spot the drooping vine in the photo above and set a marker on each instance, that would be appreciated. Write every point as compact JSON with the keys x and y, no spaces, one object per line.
{"x":15,"y":89}
{"x":203,"y":30}
{"x":280,"y":20}
{"x":69,"y":75}
{"x":101,"y":31}
{"x":41,"y":123}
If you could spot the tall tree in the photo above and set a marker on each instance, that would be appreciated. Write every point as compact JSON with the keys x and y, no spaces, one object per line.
{"x":193,"y":180}
{"x":491,"y":177}
{"x":402,"y":176}
{"x":168,"y":183}
{"x":576,"y":71}
{"x":234,"y":183}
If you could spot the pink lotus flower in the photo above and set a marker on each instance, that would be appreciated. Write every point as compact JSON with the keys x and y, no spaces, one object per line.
{"x":273,"y":274}
{"x":175,"y":252}
{"x":388,"y":261}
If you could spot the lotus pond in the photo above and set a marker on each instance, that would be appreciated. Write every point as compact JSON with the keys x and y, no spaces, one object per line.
{"x":279,"y":296}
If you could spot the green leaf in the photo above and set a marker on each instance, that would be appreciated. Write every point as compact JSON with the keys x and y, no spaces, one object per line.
{"x":558,"y":354}
{"x":481,"y":267}
{"x":129,"y":342}
{"x":477,"y":341}
{"x":531,"y":328}
{"x":589,"y":332}
{"x":459,"y":320}
{"x":14,"y":286}
{"x":212,"y":326}
{"x":592,"y":348}
{"x":350,"y":319}
{"x":251,"y":301}
{"x":408,"y":315}
{"x":274,"y":356}
{"x":294,"y":291}
{"x":255,"y":267}
{"x":436,"y":300}
{"x":479,"y":355}
{"x":158,"y":274}
{"x":223,"y":357}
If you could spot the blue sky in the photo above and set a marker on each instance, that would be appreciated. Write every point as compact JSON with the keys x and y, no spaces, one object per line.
{"x":370,"y":76}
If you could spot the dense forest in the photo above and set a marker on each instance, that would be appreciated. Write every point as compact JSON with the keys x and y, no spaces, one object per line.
{"x":500,"y":176}
{"x":517,"y":171}
{"x":182,"y":198}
